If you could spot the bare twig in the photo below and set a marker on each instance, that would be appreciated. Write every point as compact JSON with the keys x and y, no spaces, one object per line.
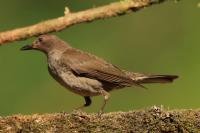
{"x":57,"y":24}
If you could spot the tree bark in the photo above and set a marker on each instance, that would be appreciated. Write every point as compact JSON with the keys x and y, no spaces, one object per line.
{"x":153,"y":120}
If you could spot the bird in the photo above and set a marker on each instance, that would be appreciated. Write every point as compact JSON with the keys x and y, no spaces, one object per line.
{"x":86,"y":74}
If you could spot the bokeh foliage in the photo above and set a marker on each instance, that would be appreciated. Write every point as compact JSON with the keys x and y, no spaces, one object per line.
{"x":160,"y":39}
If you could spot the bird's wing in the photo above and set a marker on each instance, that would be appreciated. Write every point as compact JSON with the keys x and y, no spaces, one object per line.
{"x":87,"y":65}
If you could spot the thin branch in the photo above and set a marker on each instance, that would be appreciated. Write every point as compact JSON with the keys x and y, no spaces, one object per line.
{"x":58,"y":24}
{"x":153,"y":120}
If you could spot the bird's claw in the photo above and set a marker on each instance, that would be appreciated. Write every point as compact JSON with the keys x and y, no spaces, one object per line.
{"x":63,"y":113}
{"x":99,"y":114}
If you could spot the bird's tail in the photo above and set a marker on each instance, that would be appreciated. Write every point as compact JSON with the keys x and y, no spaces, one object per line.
{"x":151,"y":78}
{"x":158,"y":79}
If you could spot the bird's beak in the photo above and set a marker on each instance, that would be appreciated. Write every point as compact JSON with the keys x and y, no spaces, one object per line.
{"x":27,"y":47}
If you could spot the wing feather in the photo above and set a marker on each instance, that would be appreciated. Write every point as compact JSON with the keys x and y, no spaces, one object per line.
{"x":93,"y":67}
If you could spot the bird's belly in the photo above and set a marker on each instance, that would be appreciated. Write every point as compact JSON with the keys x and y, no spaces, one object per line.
{"x":79,"y":85}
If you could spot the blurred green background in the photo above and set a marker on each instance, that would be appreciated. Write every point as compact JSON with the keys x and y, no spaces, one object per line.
{"x":161,"y":39}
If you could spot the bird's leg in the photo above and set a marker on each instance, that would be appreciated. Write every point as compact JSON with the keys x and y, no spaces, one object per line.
{"x":106,"y":96}
{"x":88,"y":102}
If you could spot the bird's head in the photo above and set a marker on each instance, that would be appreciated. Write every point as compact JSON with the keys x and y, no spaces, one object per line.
{"x":46,"y":43}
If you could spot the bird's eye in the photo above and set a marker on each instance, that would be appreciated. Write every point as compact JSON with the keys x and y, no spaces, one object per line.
{"x":40,"y":39}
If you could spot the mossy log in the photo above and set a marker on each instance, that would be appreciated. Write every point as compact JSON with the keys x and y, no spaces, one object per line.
{"x":152,"y":120}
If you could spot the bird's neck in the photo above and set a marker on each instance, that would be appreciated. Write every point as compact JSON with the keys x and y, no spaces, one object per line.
{"x":55,"y":53}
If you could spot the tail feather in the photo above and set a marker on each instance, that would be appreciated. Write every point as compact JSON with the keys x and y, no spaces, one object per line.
{"x":158,"y":79}
{"x":151,"y":78}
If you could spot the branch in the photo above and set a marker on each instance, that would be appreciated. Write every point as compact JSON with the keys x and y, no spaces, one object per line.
{"x":152,"y":120}
{"x":58,"y":24}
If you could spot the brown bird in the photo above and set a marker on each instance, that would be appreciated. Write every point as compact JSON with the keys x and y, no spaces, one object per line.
{"x":86,"y":74}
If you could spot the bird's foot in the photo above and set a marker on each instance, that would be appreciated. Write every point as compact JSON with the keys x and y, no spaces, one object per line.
{"x":100,"y":113}
{"x":64,"y":113}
